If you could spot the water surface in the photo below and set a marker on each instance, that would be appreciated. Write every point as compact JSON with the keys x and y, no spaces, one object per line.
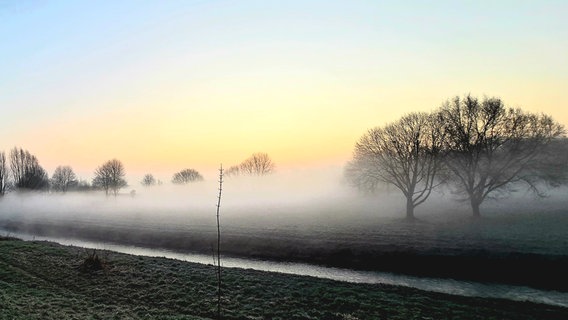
{"x":441,"y":285}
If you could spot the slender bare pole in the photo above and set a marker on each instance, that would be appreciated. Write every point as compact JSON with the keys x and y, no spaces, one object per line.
{"x":219,"y":244}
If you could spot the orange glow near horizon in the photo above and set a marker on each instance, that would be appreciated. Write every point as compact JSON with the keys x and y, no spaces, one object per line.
{"x":164,"y":86}
{"x":178,"y":138}
{"x":309,"y":129}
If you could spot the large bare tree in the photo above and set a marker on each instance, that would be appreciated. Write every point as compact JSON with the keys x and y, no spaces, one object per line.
{"x":110,"y":177}
{"x":258,"y":164}
{"x":491,"y":148}
{"x":404,"y":153}
{"x":26,"y":171}
{"x":63,"y":178}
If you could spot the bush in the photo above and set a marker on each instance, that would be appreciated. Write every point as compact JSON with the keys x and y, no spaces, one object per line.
{"x":93,"y":263}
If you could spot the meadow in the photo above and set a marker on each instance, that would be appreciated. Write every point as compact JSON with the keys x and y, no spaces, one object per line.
{"x":42,"y":280}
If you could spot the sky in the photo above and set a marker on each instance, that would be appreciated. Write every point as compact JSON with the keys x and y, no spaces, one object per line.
{"x":168,"y":85}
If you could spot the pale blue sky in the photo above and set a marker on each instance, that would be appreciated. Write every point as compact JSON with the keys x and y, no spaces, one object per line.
{"x":310,"y":76}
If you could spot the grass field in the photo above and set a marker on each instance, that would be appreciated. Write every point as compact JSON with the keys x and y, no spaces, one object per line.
{"x":516,"y":247}
{"x":41,"y":280}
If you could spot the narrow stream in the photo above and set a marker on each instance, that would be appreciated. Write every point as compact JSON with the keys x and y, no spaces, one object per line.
{"x":449,"y":286}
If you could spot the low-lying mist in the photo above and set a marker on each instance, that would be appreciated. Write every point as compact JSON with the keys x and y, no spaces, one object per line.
{"x":302,"y":208}
{"x":315,"y":196}
{"x":277,"y":197}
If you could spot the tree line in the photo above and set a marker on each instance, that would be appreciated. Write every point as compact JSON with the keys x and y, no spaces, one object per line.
{"x":21,"y":171}
{"x":477,"y":147}
{"x":258,"y":164}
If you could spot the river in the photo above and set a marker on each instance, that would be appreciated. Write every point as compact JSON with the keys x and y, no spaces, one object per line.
{"x":441,"y":285}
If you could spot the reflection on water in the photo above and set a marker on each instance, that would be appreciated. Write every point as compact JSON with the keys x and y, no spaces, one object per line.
{"x":450,"y":286}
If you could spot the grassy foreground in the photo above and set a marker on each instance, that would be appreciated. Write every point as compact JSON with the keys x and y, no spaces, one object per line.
{"x":41,"y":280}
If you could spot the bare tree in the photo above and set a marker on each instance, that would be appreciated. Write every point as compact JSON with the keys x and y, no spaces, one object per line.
{"x":404,"y":153}
{"x":148,"y":180}
{"x":110,"y":177}
{"x":26,"y":171}
{"x":258,"y":164}
{"x":490,"y":148}
{"x":186,"y":176}
{"x":232,"y":171}
{"x":551,"y":164}
{"x":82,"y":186}
{"x":3,"y":174}
{"x":63,"y":178}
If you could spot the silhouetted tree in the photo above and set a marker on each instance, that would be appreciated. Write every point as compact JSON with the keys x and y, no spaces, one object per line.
{"x":3,"y":174}
{"x":26,"y":171}
{"x":490,"y":148}
{"x":404,"y":153}
{"x":551,"y":165}
{"x":63,"y":178}
{"x":232,"y":171}
{"x":82,"y":185}
{"x":148,"y":180}
{"x":258,"y":164}
{"x":110,"y":177}
{"x":186,"y":176}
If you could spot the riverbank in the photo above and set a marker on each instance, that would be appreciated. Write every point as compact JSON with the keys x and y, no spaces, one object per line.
{"x":521,"y":249}
{"x":42,"y":280}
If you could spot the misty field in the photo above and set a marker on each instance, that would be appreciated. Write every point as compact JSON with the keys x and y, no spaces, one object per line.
{"x":42,"y":280}
{"x":519,"y":240}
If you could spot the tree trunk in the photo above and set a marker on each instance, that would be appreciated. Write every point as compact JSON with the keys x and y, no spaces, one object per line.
{"x":475,"y":208}
{"x":409,"y":209}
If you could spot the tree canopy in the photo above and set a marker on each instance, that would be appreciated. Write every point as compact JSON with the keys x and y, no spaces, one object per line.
{"x":148,"y":180}
{"x":258,"y":164}
{"x":478,"y":147}
{"x":3,"y":173}
{"x":186,"y":176}
{"x":489,"y":148}
{"x":110,"y":177}
{"x":26,"y":171}
{"x":404,"y":153}
{"x":63,"y":178}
